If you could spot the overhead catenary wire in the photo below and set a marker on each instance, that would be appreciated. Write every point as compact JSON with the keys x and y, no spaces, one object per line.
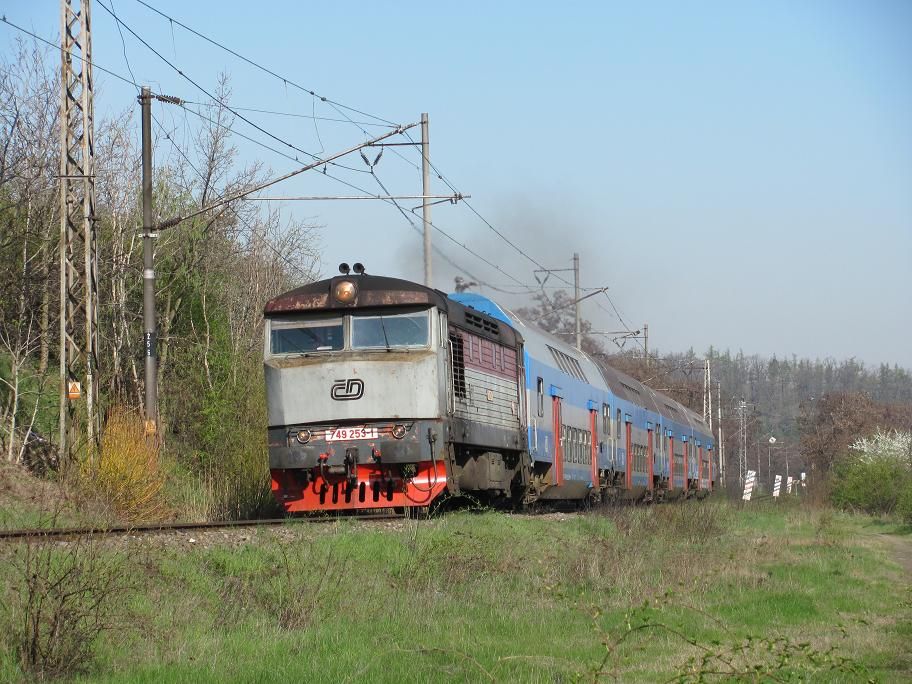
{"x":284,"y":79}
{"x":56,"y":46}
{"x":277,"y":138}
{"x":446,"y":258}
{"x":261,"y":186}
{"x":298,"y":115}
{"x":287,"y":81}
{"x":236,"y":110}
{"x":518,"y":249}
{"x":336,"y":105}
{"x":249,"y":227}
{"x":210,"y":95}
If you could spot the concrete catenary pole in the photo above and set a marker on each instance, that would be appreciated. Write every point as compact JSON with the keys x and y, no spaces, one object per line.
{"x":646,"y":343}
{"x":150,"y":335}
{"x":576,"y":296}
{"x":425,"y":203}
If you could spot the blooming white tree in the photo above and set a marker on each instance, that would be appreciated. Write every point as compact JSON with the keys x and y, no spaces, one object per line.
{"x":892,"y":445}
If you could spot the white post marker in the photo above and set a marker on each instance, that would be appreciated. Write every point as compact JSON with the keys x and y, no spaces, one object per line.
{"x":788,"y":484}
{"x":803,"y":480}
{"x":749,"y":485}
{"x":777,"y":486}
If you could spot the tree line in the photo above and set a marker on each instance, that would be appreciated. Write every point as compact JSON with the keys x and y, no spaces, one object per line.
{"x":215,"y":273}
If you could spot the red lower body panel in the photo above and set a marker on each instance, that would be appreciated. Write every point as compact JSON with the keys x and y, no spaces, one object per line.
{"x":376,"y":486}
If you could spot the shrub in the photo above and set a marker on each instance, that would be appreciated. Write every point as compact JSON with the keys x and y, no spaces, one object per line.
{"x":126,"y":471}
{"x":63,"y":599}
{"x":875,"y":476}
{"x":873,"y":486}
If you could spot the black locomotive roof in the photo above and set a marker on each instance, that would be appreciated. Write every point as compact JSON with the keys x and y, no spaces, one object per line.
{"x":372,"y":291}
{"x":383,"y":292}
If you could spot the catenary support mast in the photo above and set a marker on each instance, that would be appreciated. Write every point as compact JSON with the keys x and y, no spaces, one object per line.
{"x":150,"y":336}
{"x":77,"y":247}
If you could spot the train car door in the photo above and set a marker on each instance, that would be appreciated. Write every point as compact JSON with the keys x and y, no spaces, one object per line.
{"x":709,"y":464}
{"x":628,"y":435}
{"x":650,"y":431}
{"x":558,"y":435}
{"x":686,"y":454}
{"x":593,"y":443}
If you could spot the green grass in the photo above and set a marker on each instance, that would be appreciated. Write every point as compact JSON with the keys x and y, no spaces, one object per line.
{"x":494,"y":597}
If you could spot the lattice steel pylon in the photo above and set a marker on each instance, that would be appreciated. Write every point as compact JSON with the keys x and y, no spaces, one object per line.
{"x":78,"y":255}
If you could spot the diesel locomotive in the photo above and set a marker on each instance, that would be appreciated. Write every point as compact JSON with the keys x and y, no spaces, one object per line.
{"x":384,"y":393}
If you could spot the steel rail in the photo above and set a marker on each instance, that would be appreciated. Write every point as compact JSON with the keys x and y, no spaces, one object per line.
{"x":58,"y":532}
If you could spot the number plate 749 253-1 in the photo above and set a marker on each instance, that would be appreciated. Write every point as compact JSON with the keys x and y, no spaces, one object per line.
{"x":347,"y":433}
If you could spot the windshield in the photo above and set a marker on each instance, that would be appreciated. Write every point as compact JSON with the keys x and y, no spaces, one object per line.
{"x":397,"y":330}
{"x":300,"y":337}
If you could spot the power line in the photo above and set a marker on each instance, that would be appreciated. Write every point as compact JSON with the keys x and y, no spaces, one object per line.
{"x":299,"y":116}
{"x":236,"y":110}
{"x":210,"y":95}
{"x":93,"y":64}
{"x":219,"y":196}
{"x":285,"y":142}
{"x":337,"y":106}
{"x":518,"y":249}
{"x":285,"y":80}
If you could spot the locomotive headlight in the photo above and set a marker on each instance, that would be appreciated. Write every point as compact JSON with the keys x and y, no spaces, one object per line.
{"x":399,"y":431}
{"x":303,"y":436}
{"x":345,"y":292}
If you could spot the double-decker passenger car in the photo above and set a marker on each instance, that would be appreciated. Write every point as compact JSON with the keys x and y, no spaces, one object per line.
{"x":385,"y":393}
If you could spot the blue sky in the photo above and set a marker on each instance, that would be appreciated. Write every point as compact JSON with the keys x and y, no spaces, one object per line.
{"x":739,"y":174}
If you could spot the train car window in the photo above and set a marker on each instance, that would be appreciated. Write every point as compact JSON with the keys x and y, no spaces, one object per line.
{"x":303,"y":337}
{"x":606,"y":420}
{"x":617,"y":430}
{"x":388,"y":331}
{"x":540,"y":384}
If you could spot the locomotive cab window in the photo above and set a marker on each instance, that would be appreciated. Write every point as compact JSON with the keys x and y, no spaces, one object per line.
{"x":304,"y":337}
{"x":385,"y":331}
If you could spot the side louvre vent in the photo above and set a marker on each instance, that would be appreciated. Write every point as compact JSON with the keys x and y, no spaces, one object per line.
{"x":459,"y":381}
{"x":482,"y":323}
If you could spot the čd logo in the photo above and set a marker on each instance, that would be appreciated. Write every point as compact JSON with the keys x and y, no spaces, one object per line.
{"x":347,"y":390}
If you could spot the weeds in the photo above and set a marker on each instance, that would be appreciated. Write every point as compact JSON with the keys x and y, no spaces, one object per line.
{"x":292,"y":591}
{"x":749,"y":658}
{"x":64,"y":598}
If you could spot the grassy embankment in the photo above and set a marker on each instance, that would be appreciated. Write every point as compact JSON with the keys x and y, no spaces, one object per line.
{"x":631,"y":594}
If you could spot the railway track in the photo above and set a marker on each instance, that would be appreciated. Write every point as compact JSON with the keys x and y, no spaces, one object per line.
{"x":99,"y":531}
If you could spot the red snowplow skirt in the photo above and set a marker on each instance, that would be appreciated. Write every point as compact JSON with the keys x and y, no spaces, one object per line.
{"x":376,"y":486}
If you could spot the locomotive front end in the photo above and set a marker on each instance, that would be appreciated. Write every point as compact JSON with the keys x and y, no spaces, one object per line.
{"x":354,"y":369}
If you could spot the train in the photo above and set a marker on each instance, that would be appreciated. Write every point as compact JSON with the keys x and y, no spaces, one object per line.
{"x":385,"y":393}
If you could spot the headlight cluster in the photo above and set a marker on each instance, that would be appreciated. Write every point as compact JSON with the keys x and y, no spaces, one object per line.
{"x":398,"y":431}
{"x":303,"y":436}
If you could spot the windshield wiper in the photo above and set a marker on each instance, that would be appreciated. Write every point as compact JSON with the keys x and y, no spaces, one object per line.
{"x":385,"y":338}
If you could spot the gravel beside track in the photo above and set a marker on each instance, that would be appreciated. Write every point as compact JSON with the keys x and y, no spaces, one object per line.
{"x":67,"y":532}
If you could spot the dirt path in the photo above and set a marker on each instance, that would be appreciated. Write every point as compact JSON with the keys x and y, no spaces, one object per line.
{"x":902,"y":550}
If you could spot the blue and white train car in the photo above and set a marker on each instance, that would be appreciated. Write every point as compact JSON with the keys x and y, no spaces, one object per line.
{"x":593,"y":430}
